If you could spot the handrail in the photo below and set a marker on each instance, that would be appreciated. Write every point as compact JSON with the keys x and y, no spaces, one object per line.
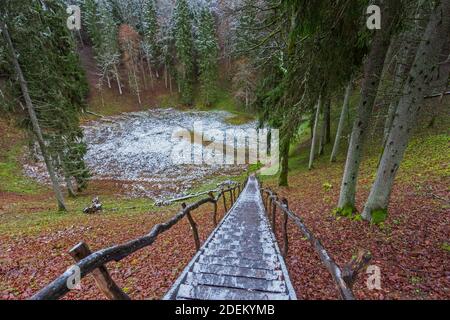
{"x":97,"y":260}
{"x":345,"y":278}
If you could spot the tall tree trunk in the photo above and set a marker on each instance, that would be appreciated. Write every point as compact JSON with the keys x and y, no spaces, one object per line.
{"x":406,"y":55}
{"x":328,"y":122}
{"x":441,"y":85}
{"x":67,"y":178}
{"x":283,"y":178}
{"x":314,"y":137}
{"x":344,"y":111}
{"x":165,"y":76}
{"x":151,"y":72}
{"x":119,"y":85}
{"x":372,"y":73}
{"x":325,"y":134}
{"x":33,"y":118}
{"x":418,"y":82}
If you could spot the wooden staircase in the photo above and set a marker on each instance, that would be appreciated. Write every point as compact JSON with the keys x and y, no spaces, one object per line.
{"x":240,"y":260}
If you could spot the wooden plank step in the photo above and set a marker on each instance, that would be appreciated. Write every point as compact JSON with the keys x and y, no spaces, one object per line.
{"x":227,"y":281}
{"x":214,"y":293}
{"x":241,"y":248}
{"x":243,"y":237}
{"x":237,"y":262}
{"x":239,"y":255}
{"x":237,"y":271}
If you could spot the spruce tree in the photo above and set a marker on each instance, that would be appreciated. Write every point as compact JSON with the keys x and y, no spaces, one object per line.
{"x":55,"y":83}
{"x":151,"y":31}
{"x":184,"y":44}
{"x":208,"y":51}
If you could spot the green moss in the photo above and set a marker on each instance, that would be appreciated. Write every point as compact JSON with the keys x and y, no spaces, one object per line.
{"x":347,"y":211}
{"x":379,"y":216}
{"x":327,"y":186}
{"x":446,"y":246}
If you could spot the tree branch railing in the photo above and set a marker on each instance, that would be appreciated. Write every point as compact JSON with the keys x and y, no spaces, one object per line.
{"x":95,"y":263}
{"x":344,"y":279}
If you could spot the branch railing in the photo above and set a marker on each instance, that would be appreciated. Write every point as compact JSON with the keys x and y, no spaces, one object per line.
{"x":345,"y":278}
{"x":95,"y":263}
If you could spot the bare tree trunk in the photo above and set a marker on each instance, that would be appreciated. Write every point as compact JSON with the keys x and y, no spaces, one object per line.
{"x":150,"y":71}
{"x":165,"y":76}
{"x":344,"y":111}
{"x":33,"y":118}
{"x":372,"y":73}
{"x":144,"y":78}
{"x":67,"y":178}
{"x":440,"y":86}
{"x":119,"y":85}
{"x":108,"y":81}
{"x":324,"y":136}
{"x":328,"y":122}
{"x":314,"y":133}
{"x":283,"y":178}
{"x":418,"y":82}
{"x":407,"y":49}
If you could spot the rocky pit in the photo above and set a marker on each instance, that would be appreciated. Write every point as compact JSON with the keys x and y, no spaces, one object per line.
{"x":134,"y":150}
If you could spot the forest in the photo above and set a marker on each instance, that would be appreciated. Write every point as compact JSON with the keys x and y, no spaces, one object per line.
{"x":348,"y":98}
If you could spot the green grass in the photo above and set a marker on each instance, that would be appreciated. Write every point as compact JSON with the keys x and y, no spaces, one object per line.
{"x":32,"y":217}
{"x":11,"y":176}
{"x":223,"y":102}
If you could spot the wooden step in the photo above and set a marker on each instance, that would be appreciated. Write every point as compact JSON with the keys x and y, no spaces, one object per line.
{"x":227,"y":281}
{"x":237,"y":271}
{"x":201,"y":292}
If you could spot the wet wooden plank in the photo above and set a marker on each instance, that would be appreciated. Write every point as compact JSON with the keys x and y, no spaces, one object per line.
{"x":241,"y":248}
{"x":213,"y":293}
{"x":246,"y":255}
{"x":237,"y":262}
{"x":238,"y":271}
{"x":227,"y":281}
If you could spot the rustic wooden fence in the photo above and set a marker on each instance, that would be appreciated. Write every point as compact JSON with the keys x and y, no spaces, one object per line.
{"x":345,"y":278}
{"x":95,"y":263}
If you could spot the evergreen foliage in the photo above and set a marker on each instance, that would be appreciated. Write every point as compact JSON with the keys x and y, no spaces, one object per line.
{"x":208,"y":51}
{"x":184,"y":44}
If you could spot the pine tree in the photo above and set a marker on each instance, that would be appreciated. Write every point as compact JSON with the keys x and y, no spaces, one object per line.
{"x":151,"y":44}
{"x":184,"y":44}
{"x":107,"y":50}
{"x":47,"y":75}
{"x":208,"y":51}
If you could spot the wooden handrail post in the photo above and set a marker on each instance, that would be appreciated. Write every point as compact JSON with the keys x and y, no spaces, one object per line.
{"x":211,"y":195}
{"x":285,"y":225}
{"x":193,"y":227}
{"x":101,"y":275}
{"x":224,"y":201}
{"x":274,"y":211}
